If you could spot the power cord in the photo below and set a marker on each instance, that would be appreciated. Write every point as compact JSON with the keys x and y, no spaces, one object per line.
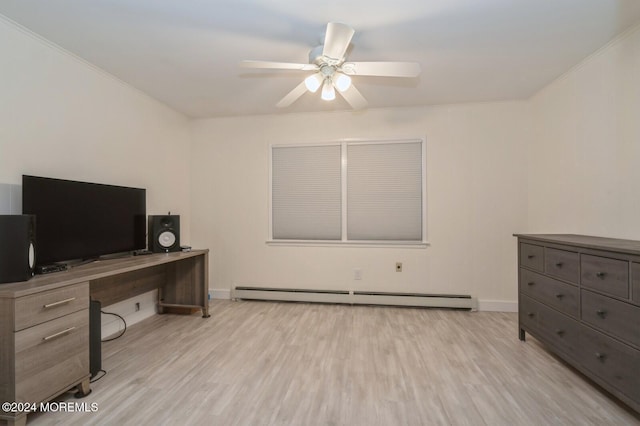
{"x":122,"y":332}
{"x":104,"y":373}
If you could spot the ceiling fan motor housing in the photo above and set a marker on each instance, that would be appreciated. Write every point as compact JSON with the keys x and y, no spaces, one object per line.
{"x":315,"y":55}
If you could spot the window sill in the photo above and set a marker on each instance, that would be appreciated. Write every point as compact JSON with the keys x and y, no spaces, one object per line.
{"x":359,"y":244}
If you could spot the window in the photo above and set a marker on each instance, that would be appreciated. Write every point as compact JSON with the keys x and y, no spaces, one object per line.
{"x":369,"y":192}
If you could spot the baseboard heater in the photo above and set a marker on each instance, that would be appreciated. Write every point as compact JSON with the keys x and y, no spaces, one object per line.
{"x":453,"y":301}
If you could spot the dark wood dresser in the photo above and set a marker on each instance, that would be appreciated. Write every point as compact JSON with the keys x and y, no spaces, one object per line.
{"x":580,"y":296}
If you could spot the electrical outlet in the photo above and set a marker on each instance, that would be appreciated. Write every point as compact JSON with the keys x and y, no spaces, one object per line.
{"x":357,"y":274}
{"x":137,"y":306}
{"x":398,"y":266}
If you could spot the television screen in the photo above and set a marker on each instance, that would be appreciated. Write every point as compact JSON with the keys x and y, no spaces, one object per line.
{"x":82,"y":220}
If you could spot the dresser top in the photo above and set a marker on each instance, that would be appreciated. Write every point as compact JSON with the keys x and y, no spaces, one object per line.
{"x":587,"y":241}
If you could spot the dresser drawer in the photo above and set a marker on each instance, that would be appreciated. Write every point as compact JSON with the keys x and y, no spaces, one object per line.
{"x":528,"y":312}
{"x":612,"y":361}
{"x":45,"y":306}
{"x":635,"y":282}
{"x":561,"y":264}
{"x":550,"y":326}
{"x":532,"y":256}
{"x":560,"y":295}
{"x":617,"y":318}
{"x":610,"y":276}
{"x":51,"y":357}
{"x":559,"y":330}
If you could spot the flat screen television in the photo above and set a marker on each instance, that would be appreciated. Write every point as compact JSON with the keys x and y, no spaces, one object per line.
{"x":82,"y":220}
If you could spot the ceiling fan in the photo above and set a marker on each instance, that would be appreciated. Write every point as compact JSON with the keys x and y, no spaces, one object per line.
{"x":332,"y":71}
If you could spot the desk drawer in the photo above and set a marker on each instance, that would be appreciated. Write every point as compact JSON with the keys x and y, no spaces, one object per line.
{"x":560,"y":295}
{"x":610,"y":276}
{"x":612,"y":316}
{"x":45,"y":306}
{"x":532,"y":256}
{"x":51,"y":357}
{"x":561,"y":264}
{"x":614,"y":362}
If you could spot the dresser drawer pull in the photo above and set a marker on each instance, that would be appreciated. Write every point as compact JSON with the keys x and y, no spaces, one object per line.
{"x":600,"y":356}
{"x":601,"y":274}
{"x":559,"y":264}
{"x":530,"y":314}
{"x":530,"y":283}
{"x":58,"y":303}
{"x":58,"y":334}
{"x":559,"y":295}
{"x":560,"y":332}
{"x":601,"y":313}
{"x":531,"y":256}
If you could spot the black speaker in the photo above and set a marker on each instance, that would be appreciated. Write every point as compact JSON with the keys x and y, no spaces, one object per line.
{"x":17,"y":247}
{"x":164,"y":233}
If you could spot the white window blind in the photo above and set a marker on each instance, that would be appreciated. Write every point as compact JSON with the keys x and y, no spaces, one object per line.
{"x":349,"y":192}
{"x":306,"y":193}
{"x":384,"y":191}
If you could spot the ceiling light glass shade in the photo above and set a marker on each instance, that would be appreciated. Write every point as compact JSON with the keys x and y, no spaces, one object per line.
{"x":343,"y":82}
{"x":328,"y":92}
{"x":313,"y":82}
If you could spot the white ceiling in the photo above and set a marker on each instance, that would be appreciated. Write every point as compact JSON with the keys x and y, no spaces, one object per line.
{"x":185,"y":53}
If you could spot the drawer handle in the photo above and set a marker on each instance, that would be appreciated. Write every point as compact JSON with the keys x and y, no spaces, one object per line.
{"x":601,"y":313}
{"x":559,"y":295}
{"x":58,"y":334}
{"x":531,"y":256}
{"x":600,"y":274}
{"x":600,"y":356}
{"x":560,"y":332}
{"x":531,"y":283}
{"x":60,"y":302}
{"x":559,"y":264}
{"x":530,"y":314}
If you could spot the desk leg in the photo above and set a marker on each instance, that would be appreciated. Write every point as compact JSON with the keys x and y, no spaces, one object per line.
{"x":160,"y":308}
{"x":84,"y":388}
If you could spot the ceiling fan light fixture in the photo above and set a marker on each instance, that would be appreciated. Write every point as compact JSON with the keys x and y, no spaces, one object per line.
{"x":328,"y":92}
{"x":313,"y":82}
{"x":343,"y":82}
{"x":333,"y":72}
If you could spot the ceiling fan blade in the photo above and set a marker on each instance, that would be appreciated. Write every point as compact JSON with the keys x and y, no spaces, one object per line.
{"x":382,"y":69}
{"x":292,"y":96}
{"x":354,"y":98}
{"x":337,"y":40}
{"x":278,"y":65}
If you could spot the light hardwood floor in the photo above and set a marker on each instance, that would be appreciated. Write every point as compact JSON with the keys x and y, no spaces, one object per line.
{"x":264,"y":363}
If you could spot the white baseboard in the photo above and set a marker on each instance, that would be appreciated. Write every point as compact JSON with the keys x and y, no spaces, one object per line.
{"x":497,"y":305}
{"x":112,"y":325}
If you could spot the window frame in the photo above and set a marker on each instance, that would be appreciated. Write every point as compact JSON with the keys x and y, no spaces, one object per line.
{"x":344,"y":143}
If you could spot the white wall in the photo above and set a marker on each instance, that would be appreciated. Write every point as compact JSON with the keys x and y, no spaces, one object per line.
{"x":584,"y":168}
{"x":476,"y":189}
{"x":60,"y":117}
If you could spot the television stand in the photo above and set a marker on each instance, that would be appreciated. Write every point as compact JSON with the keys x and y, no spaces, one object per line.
{"x":44,"y":322}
